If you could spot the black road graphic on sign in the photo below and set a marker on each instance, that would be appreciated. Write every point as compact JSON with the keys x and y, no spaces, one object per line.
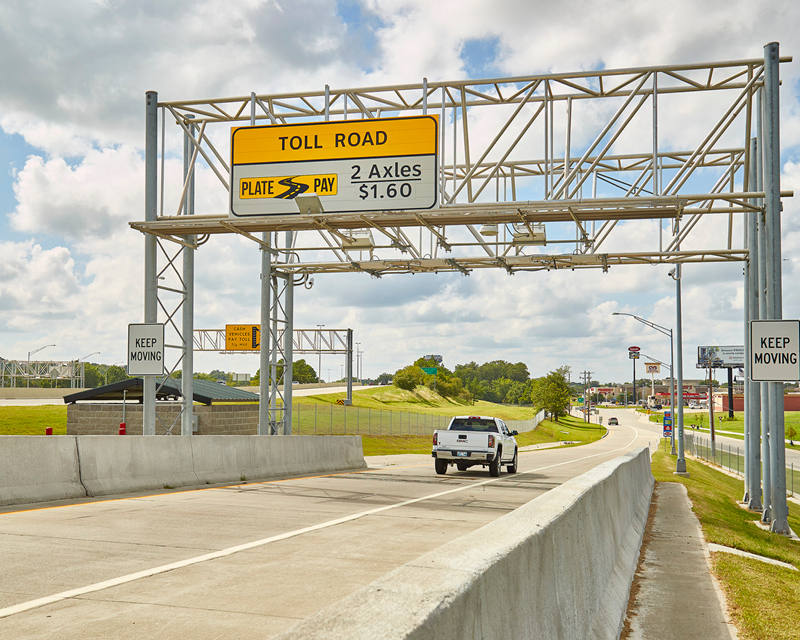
{"x":295,"y":188}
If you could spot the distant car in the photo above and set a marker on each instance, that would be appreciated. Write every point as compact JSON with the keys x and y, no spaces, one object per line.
{"x":612,"y":421}
{"x":657,"y":407}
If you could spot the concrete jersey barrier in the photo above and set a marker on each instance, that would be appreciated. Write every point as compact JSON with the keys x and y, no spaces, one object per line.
{"x":39,"y":468}
{"x":42,"y":468}
{"x":559,"y":567}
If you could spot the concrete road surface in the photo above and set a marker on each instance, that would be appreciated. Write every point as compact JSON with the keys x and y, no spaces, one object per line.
{"x":254,"y":559}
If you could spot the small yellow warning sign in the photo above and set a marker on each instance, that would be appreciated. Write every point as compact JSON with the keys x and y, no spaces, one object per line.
{"x":288,"y":186}
{"x":242,"y":337}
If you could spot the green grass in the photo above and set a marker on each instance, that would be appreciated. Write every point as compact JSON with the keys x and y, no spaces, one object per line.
{"x":547,"y":431}
{"x":733,"y":425}
{"x":764,"y":599}
{"x":422,"y":400}
{"x":27,"y":421}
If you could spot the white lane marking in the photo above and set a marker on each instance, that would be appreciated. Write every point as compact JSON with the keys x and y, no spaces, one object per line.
{"x":147,"y":573}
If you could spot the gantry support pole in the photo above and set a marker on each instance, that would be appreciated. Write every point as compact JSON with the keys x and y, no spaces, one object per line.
{"x":349,"y":366}
{"x":288,"y":346}
{"x":150,"y":247}
{"x":187,"y":309}
{"x":752,"y":392}
{"x":772,"y":207}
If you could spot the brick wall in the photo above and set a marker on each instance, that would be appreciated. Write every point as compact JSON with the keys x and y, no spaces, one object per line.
{"x":104,"y":419}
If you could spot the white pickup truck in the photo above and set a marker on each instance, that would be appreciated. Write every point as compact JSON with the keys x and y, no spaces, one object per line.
{"x":473,"y":440}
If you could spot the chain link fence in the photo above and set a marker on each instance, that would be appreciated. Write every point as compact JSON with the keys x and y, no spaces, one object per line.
{"x":338,"y":420}
{"x":729,"y":457}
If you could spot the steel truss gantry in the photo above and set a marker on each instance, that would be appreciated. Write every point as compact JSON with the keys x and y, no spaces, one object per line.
{"x":14,"y":371}
{"x":534,"y":173}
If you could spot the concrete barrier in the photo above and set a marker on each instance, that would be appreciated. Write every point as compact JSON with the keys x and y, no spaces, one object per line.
{"x":38,"y":468}
{"x":34,"y":393}
{"x":559,"y":567}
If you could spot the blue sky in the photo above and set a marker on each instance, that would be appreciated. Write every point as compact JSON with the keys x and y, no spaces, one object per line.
{"x":70,"y":269}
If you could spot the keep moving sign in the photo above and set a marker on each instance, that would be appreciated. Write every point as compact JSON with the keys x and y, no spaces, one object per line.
{"x":774,"y":349}
{"x":145,"y":349}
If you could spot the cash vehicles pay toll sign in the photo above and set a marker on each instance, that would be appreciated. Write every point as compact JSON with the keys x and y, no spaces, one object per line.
{"x":360,"y":165}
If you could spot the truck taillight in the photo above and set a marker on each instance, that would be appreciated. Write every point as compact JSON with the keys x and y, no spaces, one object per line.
{"x":435,"y":439}
{"x":491,"y":442}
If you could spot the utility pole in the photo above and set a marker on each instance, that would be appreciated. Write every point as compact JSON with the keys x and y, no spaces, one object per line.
{"x":587,"y":400}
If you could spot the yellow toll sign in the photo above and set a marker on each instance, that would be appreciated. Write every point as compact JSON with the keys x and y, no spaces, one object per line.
{"x":375,"y":138}
{"x":242,"y":337}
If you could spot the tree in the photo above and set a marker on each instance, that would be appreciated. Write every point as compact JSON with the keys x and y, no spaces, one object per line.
{"x":91,"y":376}
{"x":302,"y":372}
{"x":552,"y":393}
{"x":115,"y":374}
{"x":409,"y":377}
{"x":384,"y":378}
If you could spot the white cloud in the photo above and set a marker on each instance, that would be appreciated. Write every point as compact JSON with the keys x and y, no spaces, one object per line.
{"x":73,"y":273}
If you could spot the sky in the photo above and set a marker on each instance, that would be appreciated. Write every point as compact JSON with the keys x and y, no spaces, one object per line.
{"x":74,"y":78}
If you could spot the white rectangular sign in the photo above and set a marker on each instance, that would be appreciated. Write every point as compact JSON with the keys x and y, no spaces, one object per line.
{"x":653,"y":367}
{"x":775,"y":350}
{"x":145,"y":349}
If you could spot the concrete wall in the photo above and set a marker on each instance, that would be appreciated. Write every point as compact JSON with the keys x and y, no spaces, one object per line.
{"x":33,"y":393}
{"x":559,"y":567}
{"x":37,"y":468}
{"x":43,"y":468}
{"x":99,"y":419}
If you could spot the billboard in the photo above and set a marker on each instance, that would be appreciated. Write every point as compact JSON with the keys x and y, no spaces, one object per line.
{"x":720,"y":357}
{"x":653,"y":367}
{"x":378,"y":164}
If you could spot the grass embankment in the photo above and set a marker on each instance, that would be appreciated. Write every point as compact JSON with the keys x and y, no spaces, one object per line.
{"x":32,"y":421}
{"x":734,"y":427}
{"x":764,"y":599}
{"x":566,"y":429}
{"x":421,"y":400}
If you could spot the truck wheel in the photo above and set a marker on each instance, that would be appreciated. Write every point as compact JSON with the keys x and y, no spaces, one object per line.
{"x":494,"y":465}
{"x":441,"y":466}
{"x":512,"y":468}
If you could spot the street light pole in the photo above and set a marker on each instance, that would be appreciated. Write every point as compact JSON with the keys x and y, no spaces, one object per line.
{"x":681,"y":465}
{"x":319,"y":346}
{"x":30,"y":353}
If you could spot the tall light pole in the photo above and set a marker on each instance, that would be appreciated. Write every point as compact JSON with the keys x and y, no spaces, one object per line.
{"x":319,"y":346}
{"x":78,"y":361}
{"x":681,"y":464}
{"x":30,"y":353}
{"x":358,"y":361}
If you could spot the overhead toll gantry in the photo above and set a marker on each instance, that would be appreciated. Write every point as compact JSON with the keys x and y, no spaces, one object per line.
{"x":527,"y":173}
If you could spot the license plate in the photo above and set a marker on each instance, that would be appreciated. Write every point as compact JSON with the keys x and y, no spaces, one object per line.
{"x":462,"y":454}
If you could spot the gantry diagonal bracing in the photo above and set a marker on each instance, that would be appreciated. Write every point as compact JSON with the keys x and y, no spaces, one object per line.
{"x":533,"y":172}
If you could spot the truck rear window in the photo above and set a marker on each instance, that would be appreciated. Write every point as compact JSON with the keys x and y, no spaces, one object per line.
{"x":473,"y":424}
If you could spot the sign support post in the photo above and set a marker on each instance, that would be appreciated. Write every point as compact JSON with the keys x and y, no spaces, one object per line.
{"x":150,"y":246}
{"x":772,"y":204}
{"x":752,"y":395}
